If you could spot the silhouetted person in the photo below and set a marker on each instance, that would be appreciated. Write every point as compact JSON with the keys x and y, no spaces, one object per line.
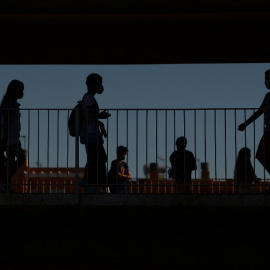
{"x":182,"y":165}
{"x":92,"y":131}
{"x":119,"y":174}
{"x":263,"y":151}
{"x":244,"y":174}
{"x":10,"y":130}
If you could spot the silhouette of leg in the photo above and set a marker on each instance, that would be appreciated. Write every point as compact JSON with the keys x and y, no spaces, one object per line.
{"x":15,"y":158}
{"x":263,"y":151}
{"x":95,"y":170}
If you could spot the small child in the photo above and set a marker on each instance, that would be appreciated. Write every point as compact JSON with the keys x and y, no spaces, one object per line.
{"x":183,"y":163}
{"x":119,"y":173}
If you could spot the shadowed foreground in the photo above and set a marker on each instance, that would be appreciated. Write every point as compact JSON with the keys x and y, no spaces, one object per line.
{"x":177,"y":237}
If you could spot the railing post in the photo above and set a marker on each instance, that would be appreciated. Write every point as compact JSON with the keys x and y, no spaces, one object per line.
{"x":77,"y":144}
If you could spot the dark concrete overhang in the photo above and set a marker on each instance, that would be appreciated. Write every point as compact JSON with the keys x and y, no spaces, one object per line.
{"x":131,"y":6}
{"x":148,"y":32}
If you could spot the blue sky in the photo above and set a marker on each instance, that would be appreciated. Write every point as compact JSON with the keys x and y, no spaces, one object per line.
{"x":182,"y":86}
{"x":142,"y":86}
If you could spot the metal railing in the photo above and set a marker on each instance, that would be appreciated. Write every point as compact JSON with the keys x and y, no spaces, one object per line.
{"x":55,"y":161}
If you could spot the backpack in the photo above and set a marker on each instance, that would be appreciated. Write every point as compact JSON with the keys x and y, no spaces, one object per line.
{"x":72,"y":120}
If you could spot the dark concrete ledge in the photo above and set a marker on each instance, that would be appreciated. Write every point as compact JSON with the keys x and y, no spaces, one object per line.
{"x":131,"y":6}
{"x":133,"y":200}
{"x":39,"y":234}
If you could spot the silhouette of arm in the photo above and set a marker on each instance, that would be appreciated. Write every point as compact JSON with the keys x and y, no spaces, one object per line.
{"x":252,"y":118}
{"x":117,"y":174}
{"x":104,"y":115}
{"x":194,"y":165}
{"x":172,"y":157}
{"x":124,"y":177}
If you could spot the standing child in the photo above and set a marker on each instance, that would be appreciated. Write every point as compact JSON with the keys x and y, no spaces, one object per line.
{"x":119,"y":174}
{"x":183,"y":163}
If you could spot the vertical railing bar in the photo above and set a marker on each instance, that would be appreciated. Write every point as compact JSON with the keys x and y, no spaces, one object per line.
{"x":174,"y":137}
{"x":195,"y":140}
{"x":184,"y":120}
{"x":38,"y":164}
{"x":127,"y":142}
{"x":146,"y":150}
{"x":77,"y":143}
{"x":225,"y":146}
{"x":107,"y":146}
{"x":235,"y":144}
{"x":17,"y":163}
{"x":8,"y":185}
{"x":205,"y":149}
{"x":157,"y":183}
{"x":117,"y":141}
{"x":97,"y":158}
{"x":235,"y":136}
{"x":137,"y":142}
{"x":28,"y":153}
{"x":215,"y":142}
{"x":8,"y":163}
{"x":67,"y":174}
{"x":245,"y":116}
{"x":205,"y":143}
{"x":245,"y":143}
{"x":264,"y":180}
{"x":86,"y":171}
{"x":57,"y":162}
{"x":166,"y":148}
{"x":48,"y":148}
{"x":254,"y":137}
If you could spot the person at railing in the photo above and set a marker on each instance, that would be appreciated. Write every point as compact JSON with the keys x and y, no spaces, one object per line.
{"x":119,"y":173}
{"x":244,"y":174}
{"x":91,"y":134}
{"x":263,"y":151}
{"x":183,"y":163}
{"x":10,"y":130}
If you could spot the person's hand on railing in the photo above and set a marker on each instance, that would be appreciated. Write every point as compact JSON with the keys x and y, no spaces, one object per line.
{"x":242,"y":127}
{"x":104,"y":115}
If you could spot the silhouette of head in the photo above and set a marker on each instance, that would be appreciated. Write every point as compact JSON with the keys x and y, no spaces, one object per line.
{"x":244,"y":153}
{"x":94,"y":83}
{"x":15,"y":89}
{"x":121,"y":152}
{"x":181,"y":143}
{"x":267,"y":79}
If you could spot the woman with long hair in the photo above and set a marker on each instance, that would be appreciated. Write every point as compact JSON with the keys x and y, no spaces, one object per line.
{"x":244,"y":173}
{"x":10,"y":130}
